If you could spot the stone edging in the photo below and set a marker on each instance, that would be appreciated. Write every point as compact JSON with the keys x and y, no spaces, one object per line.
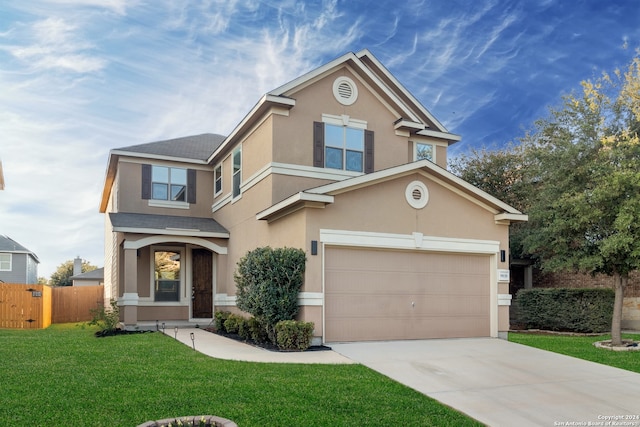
{"x":196,"y":421}
{"x":628,"y":347}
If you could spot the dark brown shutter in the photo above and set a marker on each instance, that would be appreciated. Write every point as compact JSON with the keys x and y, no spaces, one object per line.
{"x":146,"y":181}
{"x":368,"y":151}
{"x":318,"y":144}
{"x":191,"y":185}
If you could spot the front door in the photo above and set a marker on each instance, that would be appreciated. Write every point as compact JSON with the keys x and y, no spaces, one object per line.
{"x":202,"y":288}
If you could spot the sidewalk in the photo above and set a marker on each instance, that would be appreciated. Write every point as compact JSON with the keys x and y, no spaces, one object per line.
{"x":220,"y":347}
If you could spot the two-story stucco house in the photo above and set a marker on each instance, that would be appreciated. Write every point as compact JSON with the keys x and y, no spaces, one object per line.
{"x":342,"y":162}
{"x":17,"y":263}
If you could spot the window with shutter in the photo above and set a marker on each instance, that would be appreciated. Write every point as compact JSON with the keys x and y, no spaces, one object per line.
{"x":164,"y":183}
{"x":342,"y":147}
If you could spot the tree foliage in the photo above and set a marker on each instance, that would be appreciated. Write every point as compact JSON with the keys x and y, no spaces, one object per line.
{"x":579,"y":183}
{"x":268,"y":281}
{"x":62,"y":275}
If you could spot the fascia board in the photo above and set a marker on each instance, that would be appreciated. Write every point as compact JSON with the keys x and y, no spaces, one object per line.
{"x":400,"y":87}
{"x":312,"y":74}
{"x":511,"y":217}
{"x":261,"y":106}
{"x":296,"y":198}
{"x":172,"y":159}
{"x":368,"y":179}
{"x":171,"y":232}
{"x":437,"y":134}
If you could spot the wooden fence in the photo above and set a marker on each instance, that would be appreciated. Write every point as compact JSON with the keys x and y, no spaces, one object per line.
{"x":74,"y":303}
{"x":25,"y":306}
{"x":37,"y":306}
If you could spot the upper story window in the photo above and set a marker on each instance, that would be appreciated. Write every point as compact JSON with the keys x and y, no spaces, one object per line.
{"x":5,"y":262}
{"x":167,"y":186}
{"x":344,"y":148}
{"x":423,"y":152}
{"x":217,"y":176}
{"x":169,"y":183}
{"x":340,"y":142}
{"x":237,"y":171}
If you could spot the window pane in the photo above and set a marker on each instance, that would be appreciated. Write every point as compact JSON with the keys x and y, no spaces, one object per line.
{"x":355,"y":139}
{"x":178,"y":176}
{"x":333,"y":158}
{"x":236,"y":184}
{"x":160,"y":174}
{"x":160,"y":191}
{"x":178,"y":193}
{"x":333,"y":136}
{"x":354,"y":161}
{"x":167,"y":276}
{"x":5,"y":262}
{"x":424,"y":152}
{"x":237,"y":160}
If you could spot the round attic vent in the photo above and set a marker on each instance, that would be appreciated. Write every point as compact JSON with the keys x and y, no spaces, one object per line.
{"x":417,"y":194}
{"x":345,"y":90}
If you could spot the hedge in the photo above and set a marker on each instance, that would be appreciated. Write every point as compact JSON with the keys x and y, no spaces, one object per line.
{"x":564,"y":309}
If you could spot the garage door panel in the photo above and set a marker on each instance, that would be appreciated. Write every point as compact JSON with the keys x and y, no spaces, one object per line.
{"x":382,"y":295}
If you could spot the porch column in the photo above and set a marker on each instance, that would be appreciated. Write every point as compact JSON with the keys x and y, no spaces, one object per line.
{"x":528,"y":277}
{"x":129,"y":302}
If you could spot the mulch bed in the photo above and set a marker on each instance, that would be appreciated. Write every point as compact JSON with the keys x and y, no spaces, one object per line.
{"x":267,"y":345}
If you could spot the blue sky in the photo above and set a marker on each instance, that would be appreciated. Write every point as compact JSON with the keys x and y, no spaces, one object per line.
{"x":81,"y":77}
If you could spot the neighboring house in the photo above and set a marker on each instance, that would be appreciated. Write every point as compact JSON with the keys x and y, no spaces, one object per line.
{"x":342,"y":162}
{"x":17,"y":263}
{"x":90,"y":278}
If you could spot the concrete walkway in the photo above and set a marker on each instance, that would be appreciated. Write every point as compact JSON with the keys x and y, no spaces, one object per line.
{"x":506,"y":384}
{"x":225,"y":348}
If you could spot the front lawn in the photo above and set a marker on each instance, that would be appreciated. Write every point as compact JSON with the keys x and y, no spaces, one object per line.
{"x":64,"y":376}
{"x":582,"y":347}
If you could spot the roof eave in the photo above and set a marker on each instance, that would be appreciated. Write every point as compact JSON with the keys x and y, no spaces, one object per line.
{"x":172,"y":232}
{"x":265,"y":103}
{"x":294,"y":203}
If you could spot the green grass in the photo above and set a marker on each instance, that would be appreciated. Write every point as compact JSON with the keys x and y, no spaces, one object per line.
{"x":64,"y":376}
{"x":582,"y":347}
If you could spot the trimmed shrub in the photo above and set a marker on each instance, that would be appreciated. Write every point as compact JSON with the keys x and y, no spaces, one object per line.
{"x":221,"y":317}
{"x":233,"y":323}
{"x":268,"y":282}
{"x":566,"y":310}
{"x":257,"y":331}
{"x":294,"y":335}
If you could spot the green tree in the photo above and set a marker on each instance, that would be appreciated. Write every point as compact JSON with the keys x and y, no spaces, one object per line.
{"x":577,"y":175}
{"x":587,"y":158}
{"x":503,"y":174}
{"x":62,"y":275}
{"x":268,"y":282}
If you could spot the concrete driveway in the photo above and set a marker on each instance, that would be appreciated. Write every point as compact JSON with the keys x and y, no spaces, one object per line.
{"x":506,"y":384}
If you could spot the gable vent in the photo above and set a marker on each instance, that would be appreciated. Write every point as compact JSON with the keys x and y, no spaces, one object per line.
{"x":417,"y":194}
{"x":345,"y":90}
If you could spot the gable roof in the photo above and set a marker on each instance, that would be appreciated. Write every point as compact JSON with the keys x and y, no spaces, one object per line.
{"x":97,"y":274}
{"x":413,"y":116}
{"x":194,"y":149}
{"x":325,"y":193}
{"x":7,"y":244}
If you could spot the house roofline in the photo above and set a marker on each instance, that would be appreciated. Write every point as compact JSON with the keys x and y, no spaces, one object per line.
{"x":320,"y":196}
{"x":265,"y":103}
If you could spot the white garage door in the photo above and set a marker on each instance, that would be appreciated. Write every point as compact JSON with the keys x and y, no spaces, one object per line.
{"x":393,"y":295}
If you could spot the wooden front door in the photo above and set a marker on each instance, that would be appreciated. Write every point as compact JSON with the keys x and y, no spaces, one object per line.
{"x":202,"y":287}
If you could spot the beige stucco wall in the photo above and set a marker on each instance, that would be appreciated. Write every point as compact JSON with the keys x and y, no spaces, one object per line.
{"x":129,"y":194}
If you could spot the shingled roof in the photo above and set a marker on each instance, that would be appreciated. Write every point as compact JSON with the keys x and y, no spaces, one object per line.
{"x":197,"y":147}
{"x":186,"y":224}
{"x":7,"y":244}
